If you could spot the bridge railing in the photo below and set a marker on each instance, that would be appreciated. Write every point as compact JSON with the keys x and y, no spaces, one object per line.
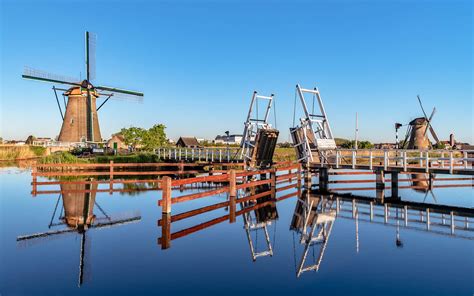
{"x":403,"y":159}
{"x":207,"y":154}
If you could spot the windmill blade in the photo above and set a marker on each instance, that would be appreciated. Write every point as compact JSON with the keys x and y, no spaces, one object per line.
{"x":120,"y":91}
{"x":34,"y":74}
{"x":421,"y":105}
{"x":123,"y":97}
{"x":434,"y":134}
{"x":429,"y":121}
{"x":45,"y":234}
{"x":91,"y":41}
{"x":117,"y":222}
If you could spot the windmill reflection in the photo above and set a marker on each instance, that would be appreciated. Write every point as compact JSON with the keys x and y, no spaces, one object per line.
{"x":78,"y":203}
{"x":258,"y":221}
{"x":312,"y":220}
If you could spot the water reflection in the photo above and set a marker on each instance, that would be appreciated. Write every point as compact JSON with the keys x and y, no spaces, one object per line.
{"x":315,"y":214}
{"x":258,"y":221}
{"x":78,"y":215}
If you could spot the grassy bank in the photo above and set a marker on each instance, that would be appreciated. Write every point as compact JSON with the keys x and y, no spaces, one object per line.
{"x":284,"y":154}
{"x":12,"y":152}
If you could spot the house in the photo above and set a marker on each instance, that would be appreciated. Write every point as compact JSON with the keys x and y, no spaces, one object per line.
{"x":231,"y":139}
{"x":187,"y":142}
{"x":385,"y":146}
{"x":117,"y":141}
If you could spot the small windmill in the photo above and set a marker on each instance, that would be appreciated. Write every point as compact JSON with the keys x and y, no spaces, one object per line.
{"x":78,"y":206}
{"x":417,"y":132}
{"x":80,"y":120}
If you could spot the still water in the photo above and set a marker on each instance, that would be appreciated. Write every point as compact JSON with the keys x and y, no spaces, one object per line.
{"x":348,"y":255}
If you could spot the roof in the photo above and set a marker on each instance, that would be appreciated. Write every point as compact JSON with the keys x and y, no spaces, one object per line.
{"x":188,"y":141}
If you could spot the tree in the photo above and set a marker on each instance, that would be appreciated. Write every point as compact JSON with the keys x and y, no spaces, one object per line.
{"x":154,"y":137}
{"x":30,"y":140}
{"x":133,"y":136}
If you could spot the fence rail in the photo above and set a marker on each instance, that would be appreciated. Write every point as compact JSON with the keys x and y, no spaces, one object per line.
{"x":438,"y":161}
{"x":206,"y":154}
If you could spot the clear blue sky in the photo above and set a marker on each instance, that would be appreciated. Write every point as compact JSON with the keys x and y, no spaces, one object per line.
{"x":198,"y":62}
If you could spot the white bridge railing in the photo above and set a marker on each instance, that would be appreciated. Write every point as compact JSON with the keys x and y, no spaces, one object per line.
{"x":207,"y":154}
{"x":403,"y":159}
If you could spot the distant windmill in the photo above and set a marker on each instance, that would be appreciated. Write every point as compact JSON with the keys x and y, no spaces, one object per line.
{"x":417,"y":132}
{"x":80,"y":121}
{"x":78,"y":205}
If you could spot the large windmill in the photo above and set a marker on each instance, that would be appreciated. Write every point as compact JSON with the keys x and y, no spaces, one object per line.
{"x":80,"y":120}
{"x":417,"y":132}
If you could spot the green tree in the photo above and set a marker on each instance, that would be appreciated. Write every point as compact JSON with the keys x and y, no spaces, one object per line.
{"x":154,"y":137}
{"x":133,"y":136}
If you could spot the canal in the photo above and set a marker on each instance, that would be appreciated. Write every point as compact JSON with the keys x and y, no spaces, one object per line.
{"x":123,"y":253}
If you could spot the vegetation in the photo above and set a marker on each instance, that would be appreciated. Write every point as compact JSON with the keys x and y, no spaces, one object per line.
{"x":12,"y":152}
{"x":145,"y":139}
{"x":284,"y":154}
{"x":62,"y":157}
{"x":132,"y":158}
{"x":360,"y":145}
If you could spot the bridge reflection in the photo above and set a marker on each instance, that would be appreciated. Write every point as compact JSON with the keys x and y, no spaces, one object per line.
{"x":315,"y":216}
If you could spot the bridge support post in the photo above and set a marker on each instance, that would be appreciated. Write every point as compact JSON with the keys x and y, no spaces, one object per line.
{"x":394,"y":181}
{"x":323,"y":179}
{"x":380,"y":179}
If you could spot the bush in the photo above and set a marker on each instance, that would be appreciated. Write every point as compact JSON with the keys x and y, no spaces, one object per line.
{"x":61,"y":157}
{"x":38,"y":150}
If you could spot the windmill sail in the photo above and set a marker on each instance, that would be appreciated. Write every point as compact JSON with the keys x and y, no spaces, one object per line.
{"x":35,"y":74}
{"x":91,"y":41}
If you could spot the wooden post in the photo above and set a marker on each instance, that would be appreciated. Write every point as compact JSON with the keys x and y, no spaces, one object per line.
{"x":111,"y":177}
{"x":299,"y":180}
{"x":166,"y":195}
{"x":165,"y":231}
{"x":380,"y":179}
{"x":34,"y":171}
{"x":232,"y":195}
{"x":394,"y":180}
{"x":273,"y":183}
{"x":323,"y":179}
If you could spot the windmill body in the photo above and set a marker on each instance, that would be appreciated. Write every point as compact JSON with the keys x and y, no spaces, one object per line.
{"x":75,"y":123}
{"x":418,"y":135}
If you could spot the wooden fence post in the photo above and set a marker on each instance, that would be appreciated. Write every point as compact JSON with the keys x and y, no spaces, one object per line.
{"x":166,"y":195}
{"x":165,"y":231}
{"x":273,"y":183}
{"x":232,"y":195}
{"x":34,"y":171}
{"x":111,"y":177}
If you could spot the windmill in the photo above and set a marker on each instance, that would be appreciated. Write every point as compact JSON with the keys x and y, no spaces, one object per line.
{"x":417,"y":132}
{"x":80,"y":120}
{"x":78,"y":206}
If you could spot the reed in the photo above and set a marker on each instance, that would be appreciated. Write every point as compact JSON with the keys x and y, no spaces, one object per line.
{"x":13,"y":152}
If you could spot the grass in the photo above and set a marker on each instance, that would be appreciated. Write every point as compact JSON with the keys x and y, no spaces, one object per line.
{"x":284,"y":154}
{"x":13,"y":152}
{"x":132,"y":158}
{"x":61,"y":157}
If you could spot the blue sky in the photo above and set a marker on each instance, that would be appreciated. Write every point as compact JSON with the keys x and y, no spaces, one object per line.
{"x":198,"y":62}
